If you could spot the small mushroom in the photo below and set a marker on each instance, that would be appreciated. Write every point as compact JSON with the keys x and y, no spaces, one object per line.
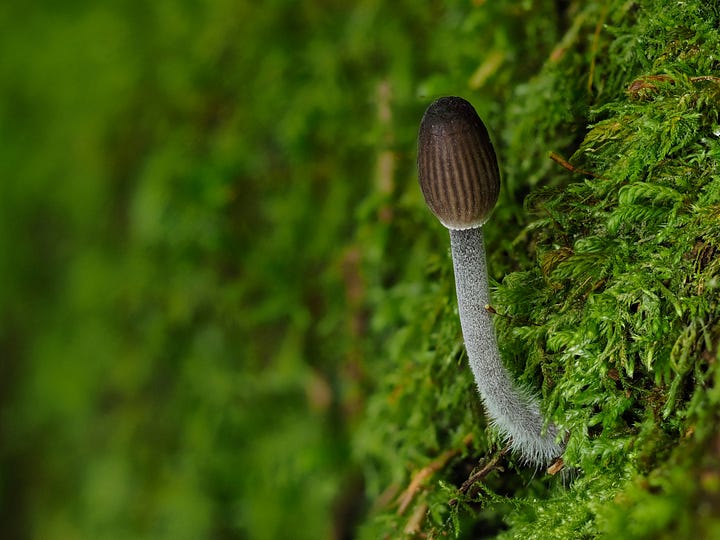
{"x":459,"y":177}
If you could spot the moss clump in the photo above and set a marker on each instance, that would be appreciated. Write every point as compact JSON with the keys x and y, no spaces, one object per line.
{"x":611,"y":304}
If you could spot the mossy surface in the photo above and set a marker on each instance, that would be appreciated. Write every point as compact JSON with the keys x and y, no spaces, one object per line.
{"x":606,"y":298}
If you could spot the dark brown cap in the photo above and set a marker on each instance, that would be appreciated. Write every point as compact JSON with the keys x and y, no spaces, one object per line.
{"x":457,"y":167}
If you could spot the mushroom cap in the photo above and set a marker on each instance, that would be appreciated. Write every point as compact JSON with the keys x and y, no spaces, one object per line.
{"x":457,"y":167}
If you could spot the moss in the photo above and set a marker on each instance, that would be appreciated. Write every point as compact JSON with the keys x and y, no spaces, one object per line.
{"x":610,"y":301}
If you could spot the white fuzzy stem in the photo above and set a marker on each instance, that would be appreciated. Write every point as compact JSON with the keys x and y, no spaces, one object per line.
{"x":513,"y":411}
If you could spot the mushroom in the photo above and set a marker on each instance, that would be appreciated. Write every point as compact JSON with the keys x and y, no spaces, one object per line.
{"x":459,"y":177}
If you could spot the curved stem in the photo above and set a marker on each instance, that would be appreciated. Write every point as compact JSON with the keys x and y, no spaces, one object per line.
{"x":514,"y":411}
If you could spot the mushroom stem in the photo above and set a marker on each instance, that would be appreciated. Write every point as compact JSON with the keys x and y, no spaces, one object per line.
{"x":514,"y":411}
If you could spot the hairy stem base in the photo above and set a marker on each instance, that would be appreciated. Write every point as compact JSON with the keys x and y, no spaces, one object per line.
{"x":513,"y":411}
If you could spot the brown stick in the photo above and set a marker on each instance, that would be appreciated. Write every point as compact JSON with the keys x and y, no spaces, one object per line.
{"x":556,"y":467}
{"x":425,"y":473}
{"x":711,"y":78}
{"x":482,"y":473}
{"x":565,"y":164}
{"x":595,"y":47}
{"x":415,"y":522}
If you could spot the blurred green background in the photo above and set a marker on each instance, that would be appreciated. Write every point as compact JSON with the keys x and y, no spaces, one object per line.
{"x":198,"y":212}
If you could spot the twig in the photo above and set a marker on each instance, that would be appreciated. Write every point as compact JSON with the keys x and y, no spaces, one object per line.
{"x":565,"y":164}
{"x":595,"y":46}
{"x":415,"y":522}
{"x":710,"y":78}
{"x":556,"y":467}
{"x":425,"y":473}
{"x":482,"y":473}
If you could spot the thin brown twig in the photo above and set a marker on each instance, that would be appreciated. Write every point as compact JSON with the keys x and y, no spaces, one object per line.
{"x":557,"y":466}
{"x":565,"y":164}
{"x":482,"y":473}
{"x":407,"y":496}
{"x":414,"y":524}
{"x":711,"y":78}
{"x":595,"y":47}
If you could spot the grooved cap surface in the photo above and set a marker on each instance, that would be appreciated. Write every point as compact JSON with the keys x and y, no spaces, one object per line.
{"x":457,"y":167}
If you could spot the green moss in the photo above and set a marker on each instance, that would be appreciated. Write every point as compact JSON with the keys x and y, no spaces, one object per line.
{"x":611,"y":301}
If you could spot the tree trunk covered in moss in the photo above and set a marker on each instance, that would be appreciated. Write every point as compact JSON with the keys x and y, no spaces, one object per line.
{"x":226,"y":313}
